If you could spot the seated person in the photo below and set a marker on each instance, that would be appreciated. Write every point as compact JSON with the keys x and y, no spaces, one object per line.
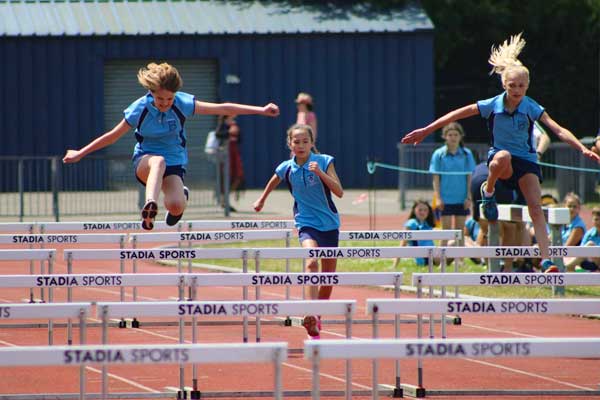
{"x":420,"y":219}
{"x":590,"y":238}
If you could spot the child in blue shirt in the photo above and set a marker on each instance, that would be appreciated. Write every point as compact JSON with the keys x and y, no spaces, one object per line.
{"x":160,"y":155}
{"x":590,"y":238}
{"x":452,"y":191}
{"x":311,"y":179}
{"x":419,"y":219}
{"x":512,"y":157}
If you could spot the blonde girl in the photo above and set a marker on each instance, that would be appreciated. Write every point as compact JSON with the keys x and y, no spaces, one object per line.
{"x":512,"y":157}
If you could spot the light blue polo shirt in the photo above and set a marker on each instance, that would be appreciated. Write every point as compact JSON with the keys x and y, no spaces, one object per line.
{"x":512,"y":132}
{"x":313,"y":205}
{"x":566,"y":230}
{"x":414,"y":224}
{"x":161,"y":133}
{"x":592,"y":235}
{"x":453,"y":188}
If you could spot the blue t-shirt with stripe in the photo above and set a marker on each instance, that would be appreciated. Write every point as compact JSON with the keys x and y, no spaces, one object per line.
{"x":453,"y":188}
{"x":512,"y":132}
{"x":592,"y":235}
{"x":313,"y":205}
{"x":566,"y":230}
{"x":161,"y":133}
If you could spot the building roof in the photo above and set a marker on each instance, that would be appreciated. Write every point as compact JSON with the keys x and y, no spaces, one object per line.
{"x":204,"y":17}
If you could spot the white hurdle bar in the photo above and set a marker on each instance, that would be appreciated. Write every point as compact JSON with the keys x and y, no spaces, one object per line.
{"x":194,"y":309}
{"x":101,"y":226}
{"x":556,"y":217}
{"x":442,"y":348}
{"x":31,"y":255}
{"x":22,"y":227}
{"x":506,"y":279}
{"x":375,"y":307}
{"x":211,"y":236}
{"x":82,"y":356}
{"x":444,"y":234}
{"x":9,"y":311}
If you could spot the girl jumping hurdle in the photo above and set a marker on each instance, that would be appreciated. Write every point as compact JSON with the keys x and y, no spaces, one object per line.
{"x":512,"y":157}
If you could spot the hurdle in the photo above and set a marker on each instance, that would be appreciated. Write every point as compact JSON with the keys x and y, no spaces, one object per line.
{"x":315,"y":351}
{"x":484,"y":306}
{"x":556,"y":217}
{"x":80,"y":311}
{"x":32,"y":255}
{"x":207,"y":237}
{"x":22,"y":227}
{"x":106,"y":310}
{"x":83,"y":356}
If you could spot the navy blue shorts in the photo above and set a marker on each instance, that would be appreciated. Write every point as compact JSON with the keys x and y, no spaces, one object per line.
{"x":323,"y":238}
{"x":170,"y":170}
{"x":520,"y":168}
{"x":455,"y":209}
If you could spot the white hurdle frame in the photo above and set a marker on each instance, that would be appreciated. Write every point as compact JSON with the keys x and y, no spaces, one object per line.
{"x":49,"y":311}
{"x":106,"y":310}
{"x":315,"y":351}
{"x":375,"y":307}
{"x":275,"y":352}
{"x":556,"y":217}
{"x":32,"y":255}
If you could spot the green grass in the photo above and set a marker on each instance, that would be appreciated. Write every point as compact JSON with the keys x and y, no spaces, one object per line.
{"x":407,"y":266}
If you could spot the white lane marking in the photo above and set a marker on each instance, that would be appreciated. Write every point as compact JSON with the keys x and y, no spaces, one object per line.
{"x":124,"y":380}
{"x":529,"y":374}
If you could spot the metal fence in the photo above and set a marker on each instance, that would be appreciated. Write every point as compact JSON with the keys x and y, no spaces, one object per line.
{"x":555,"y":178}
{"x":44,"y":187}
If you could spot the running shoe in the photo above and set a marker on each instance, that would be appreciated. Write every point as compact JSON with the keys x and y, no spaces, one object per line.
{"x":490,"y":208}
{"x":148,"y":214}
{"x":548,"y":267}
{"x":311,"y":324}
{"x":173,"y":219}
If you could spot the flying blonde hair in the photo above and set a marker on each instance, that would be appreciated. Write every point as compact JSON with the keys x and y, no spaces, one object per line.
{"x":160,"y":76}
{"x":504,"y":58}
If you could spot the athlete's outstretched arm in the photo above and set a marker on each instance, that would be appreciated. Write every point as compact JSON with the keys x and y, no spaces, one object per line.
{"x":100,"y":142}
{"x":567,"y":136}
{"x":272,"y":184}
{"x":418,"y":135}
{"x":201,"y":107}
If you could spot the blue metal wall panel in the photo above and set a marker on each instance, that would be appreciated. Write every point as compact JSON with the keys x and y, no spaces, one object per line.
{"x":369,"y":90}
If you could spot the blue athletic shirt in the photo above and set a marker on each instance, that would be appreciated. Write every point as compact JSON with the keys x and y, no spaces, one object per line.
{"x":414,"y":224}
{"x":313,"y":206}
{"x":592,"y":235}
{"x":453,"y":188}
{"x":566,"y":230}
{"x":161,"y":133}
{"x":511,"y":132}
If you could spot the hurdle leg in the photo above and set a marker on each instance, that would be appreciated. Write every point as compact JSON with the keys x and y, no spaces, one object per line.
{"x":195,"y":394}
{"x":245,"y":296}
{"x":419,"y":336}
{"x":50,"y":299}
{"x":82,"y":340}
{"x":278,"y":393}
{"x":316,"y":390}
{"x":257,"y":292}
{"x":122,"y":270}
{"x":348,"y":361}
{"x":398,"y":392}
{"x":430,"y":270}
{"x":70,"y":299}
{"x":374,"y":377}
{"x":460,"y":242}
{"x":556,"y":240}
{"x":443,"y":270}
{"x":493,"y":240}
{"x":181,"y":394}
{"x":288,"y":320}
{"x":104,"y":313}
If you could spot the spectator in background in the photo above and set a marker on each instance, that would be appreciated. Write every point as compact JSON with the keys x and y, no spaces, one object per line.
{"x":229,"y":134}
{"x":590,"y":238}
{"x":452,"y":191}
{"x":420,"y":219}
{"x":306,"y":115}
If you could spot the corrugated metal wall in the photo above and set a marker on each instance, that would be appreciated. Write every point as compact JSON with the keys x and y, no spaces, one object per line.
{"x":369,"y":89}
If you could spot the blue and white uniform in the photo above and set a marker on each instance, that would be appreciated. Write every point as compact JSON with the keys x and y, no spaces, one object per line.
{"x":592,"y":235}
{"x":414,"y":224}
{"x":512,"y":132}
{"x":313,"y":205}
{"x":161,"y":133}
{"x":453,"y":188}
{"x":566,"y":230}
